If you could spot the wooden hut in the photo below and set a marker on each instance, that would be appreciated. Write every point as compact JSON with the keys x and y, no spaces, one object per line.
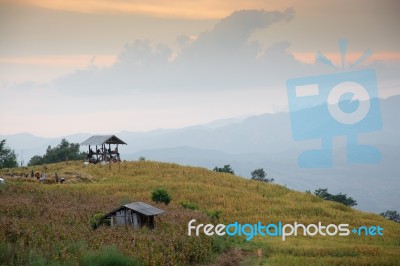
{"x":106,"y":148}
{"x":136,"y":214}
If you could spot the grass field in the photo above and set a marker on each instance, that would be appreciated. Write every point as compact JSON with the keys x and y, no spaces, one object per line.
{"x":50,"y":224}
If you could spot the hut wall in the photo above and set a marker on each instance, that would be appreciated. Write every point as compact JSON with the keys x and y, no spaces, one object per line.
{"x":130,"y":217}
{"x":127,"y":217}
{"x":120,"y":217}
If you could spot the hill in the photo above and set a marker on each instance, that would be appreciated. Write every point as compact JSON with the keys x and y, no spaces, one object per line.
{"x":51,"y":223}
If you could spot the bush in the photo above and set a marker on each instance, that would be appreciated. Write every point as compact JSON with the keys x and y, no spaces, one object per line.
{"x":189,"y":205}
{"x":161,"y":195}
{"x":142,"y":158}
{"x":221,"y":244}
{"x":3,"y":187}
{"x":97,"y":220}
{"x":214,"y":215}
{"x":108,"y":256}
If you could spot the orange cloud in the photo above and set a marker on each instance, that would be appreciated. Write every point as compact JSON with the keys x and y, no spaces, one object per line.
{"x":199,"y":9}
{"x":309,"y":58}
{"x":73,"y":61}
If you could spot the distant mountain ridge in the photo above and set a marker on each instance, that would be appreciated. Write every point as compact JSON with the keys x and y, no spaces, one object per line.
{"x":263,"y":141}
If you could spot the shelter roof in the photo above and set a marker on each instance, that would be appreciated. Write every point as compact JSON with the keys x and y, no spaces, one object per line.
{"x":102,"y":139}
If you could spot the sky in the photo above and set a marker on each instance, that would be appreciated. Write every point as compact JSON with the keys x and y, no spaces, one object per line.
{"x":103,"y":66}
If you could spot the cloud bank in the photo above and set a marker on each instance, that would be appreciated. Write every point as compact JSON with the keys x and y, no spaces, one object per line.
{"x":222,"y":58}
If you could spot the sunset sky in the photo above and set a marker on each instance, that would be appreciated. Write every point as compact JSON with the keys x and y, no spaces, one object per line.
{"x":102,"y":66}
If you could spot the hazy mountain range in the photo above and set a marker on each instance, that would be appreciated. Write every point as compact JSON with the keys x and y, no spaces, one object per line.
{"x":263,"y":141}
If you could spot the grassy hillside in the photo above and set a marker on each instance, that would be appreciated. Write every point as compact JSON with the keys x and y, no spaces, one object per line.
{"x":51,"y":223}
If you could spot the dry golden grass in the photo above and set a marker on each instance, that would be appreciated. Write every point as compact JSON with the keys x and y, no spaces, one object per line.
{"x":51,"y":219}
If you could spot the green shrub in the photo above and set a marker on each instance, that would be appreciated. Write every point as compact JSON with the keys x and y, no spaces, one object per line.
{"x":215,"y":215}
{"x":97,"y":220}
{"x":4,"y":253}
{"x":38,"y":261}
{"x":3,"y":187}
{"x":189,"y":205}
{"x":221,"y":244}
{"x":77,"y":247}
{"x":161,"y":195}
{"x":108,"y":256}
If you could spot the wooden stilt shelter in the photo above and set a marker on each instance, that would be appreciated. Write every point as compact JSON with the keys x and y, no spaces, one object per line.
{"x":106,"y":148}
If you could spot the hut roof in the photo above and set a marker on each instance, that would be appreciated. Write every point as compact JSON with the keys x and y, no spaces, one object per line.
{"x":140,"y":207}
{"x":144,"y":208}
{"x":102,"y":139}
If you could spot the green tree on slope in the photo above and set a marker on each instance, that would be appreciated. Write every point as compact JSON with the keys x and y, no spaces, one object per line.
{"x":8,"y":158}
{"x":226,"y":169}
{"x":260,"y":175}
{"x":341,"y":198}
{"x":63,"y":152}
{"x":391,"y":215}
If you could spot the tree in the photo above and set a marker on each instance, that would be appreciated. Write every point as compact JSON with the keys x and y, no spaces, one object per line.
{"x":8,"y":158}
{"x":161,"y":195}
{"x":391,"y":215}
{"x":261,"y":175}
{"x":322,"y":193}
{"x":36,"y":160}
{"x":63,"y":152}
{"x":226,"y":169}
{"x":341,"y":198}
